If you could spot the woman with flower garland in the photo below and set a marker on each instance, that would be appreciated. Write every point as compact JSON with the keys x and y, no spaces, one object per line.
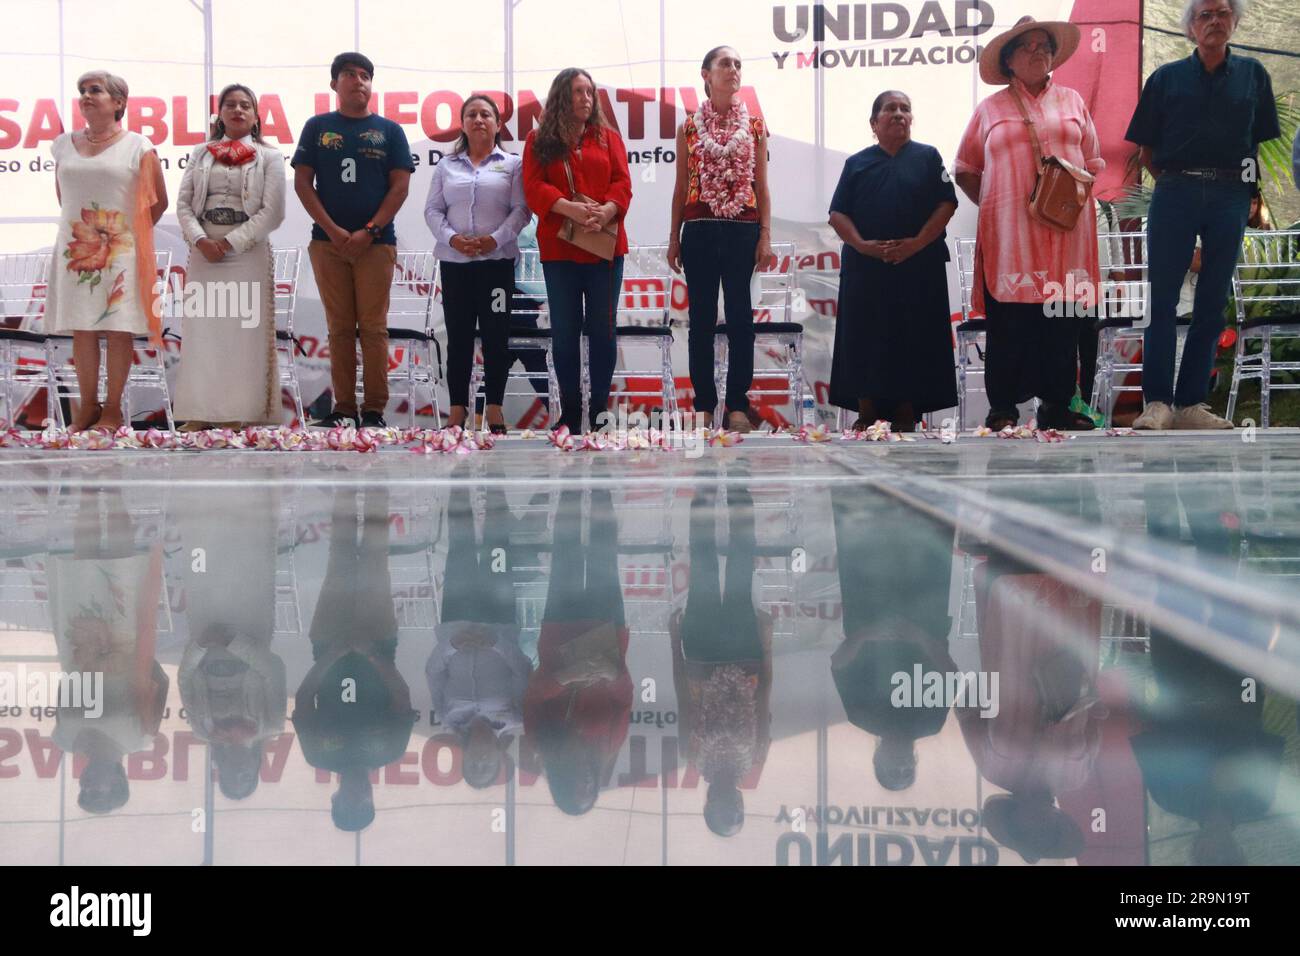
{"x":721,"y":231}
{"x":111,"y":191}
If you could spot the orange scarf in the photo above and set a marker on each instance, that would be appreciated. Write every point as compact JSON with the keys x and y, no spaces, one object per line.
{"x":146,"y":266}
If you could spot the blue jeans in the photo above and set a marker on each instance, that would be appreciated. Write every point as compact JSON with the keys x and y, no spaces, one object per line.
{"x":583,"y":299}
{"x":717,"y":252}
{"x":1182,"y":209}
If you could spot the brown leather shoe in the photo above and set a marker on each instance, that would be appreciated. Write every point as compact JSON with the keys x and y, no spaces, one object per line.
{"x":739,"y":422}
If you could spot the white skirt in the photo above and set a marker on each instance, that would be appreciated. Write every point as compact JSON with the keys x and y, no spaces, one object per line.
{"x":228,"y":370}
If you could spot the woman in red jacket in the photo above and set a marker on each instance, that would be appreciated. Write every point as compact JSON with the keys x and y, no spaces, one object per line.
{"x":582,"y":289}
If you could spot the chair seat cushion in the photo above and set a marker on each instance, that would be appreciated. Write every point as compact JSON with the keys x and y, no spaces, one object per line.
{"x":408,"y":335}
{"x":769,"y":328}
{"x":1126,"y":322}
{"x":19,"y":335}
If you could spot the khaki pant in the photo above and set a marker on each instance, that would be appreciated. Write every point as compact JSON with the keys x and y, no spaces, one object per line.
{"x":355,"y":293}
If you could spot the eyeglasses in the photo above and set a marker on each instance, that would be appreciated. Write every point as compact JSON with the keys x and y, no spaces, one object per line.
{"x":1032,"y":48}
{"x":1206,"y":17}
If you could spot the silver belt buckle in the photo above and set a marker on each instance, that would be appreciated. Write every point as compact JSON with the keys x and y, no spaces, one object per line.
{"x":223,"y":216}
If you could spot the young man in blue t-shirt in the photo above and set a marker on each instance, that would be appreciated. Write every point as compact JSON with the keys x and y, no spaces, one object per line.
{"x":352,"y":171}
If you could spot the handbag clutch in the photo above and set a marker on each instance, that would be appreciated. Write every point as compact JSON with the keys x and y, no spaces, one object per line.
{"x":1062,"y":189}
{"x":602,"y":243}
{"x":589,"y":658}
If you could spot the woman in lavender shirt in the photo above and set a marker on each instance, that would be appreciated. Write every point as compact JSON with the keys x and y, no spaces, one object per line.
{"x":475,"y":210}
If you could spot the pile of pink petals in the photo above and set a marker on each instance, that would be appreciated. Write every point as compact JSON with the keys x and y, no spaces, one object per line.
{"x":1047,"y":435}
{"x":637,"y":439}
{"x":257,"y":438}
{"x":876,"y":431}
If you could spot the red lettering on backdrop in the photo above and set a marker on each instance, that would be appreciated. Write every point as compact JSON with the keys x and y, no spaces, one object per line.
{"x":11,"y":134}
{"x":149,"y":764}
{"x":322,"y":103}
{"x":530,"y":110}
{"x":429,"y":760}
{"x":274,"y":121}
{"x":636,"y":100}
{"x":45,"y":125}
{"x":667,"y":112}
{"x":505,"y":104}
{"x":393,"y":103}
{"x":11,"y":744}
{"x":78,"y":121}
{"x":181,"y":744}
{"x":429,"y":116}
{"x":181,"y":134}
{"x":394,"y":774}
{"x":146,"y":113}
{"x":45,"y":756}
{"x":610,"y":116}
{"x":275,"y":756}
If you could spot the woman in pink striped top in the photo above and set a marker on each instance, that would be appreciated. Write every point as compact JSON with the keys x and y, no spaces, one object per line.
{"x":1030,"y":280}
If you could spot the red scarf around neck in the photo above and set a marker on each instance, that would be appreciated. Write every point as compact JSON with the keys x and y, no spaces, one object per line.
{"x":232,"y":152}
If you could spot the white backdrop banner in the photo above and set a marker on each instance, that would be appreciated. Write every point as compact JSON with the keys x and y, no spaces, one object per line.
{"x":811,"y":71}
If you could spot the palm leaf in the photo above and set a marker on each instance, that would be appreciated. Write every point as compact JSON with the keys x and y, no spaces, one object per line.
{"x":1275,"y":154}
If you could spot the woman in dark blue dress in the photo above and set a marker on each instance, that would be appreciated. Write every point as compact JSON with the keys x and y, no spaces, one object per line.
{"x":893,"y":340}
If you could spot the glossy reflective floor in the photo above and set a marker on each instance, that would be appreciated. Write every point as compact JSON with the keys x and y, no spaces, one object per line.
{"x":989,"y":652}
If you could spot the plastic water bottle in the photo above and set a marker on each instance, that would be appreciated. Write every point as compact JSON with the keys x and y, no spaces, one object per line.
{"x":808,"y":415}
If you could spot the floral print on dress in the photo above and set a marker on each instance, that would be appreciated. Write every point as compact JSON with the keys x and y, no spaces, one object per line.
{"x":97,"y":240}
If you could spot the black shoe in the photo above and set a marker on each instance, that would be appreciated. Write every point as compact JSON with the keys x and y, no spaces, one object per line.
{"x":373,"y":420}
{"x":999,"y":420}
{"x":335,"y":420}
{"x":1062,"y":419}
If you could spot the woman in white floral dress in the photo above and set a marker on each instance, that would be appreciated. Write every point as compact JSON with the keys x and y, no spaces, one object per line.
{"x":102,"y":281}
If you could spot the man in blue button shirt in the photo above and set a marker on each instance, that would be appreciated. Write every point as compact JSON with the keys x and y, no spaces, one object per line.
{"x":352,"y":171}
{"x":1199,"y":123}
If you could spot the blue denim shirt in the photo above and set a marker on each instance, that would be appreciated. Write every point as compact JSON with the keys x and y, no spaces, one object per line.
{"x":1194,"y":119}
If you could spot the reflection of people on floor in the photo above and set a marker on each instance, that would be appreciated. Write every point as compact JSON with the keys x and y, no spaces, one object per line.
{"x":353,"y":710}
{"x":579,"y":700}
{"x":477,"y":674}
{"x":1204,"y":752}
{"x":232,"y":684}
{"x":722,"y":660}
{"x":104,"y":606}
{"x":1042,"y":638}
{"x":895,"y":569}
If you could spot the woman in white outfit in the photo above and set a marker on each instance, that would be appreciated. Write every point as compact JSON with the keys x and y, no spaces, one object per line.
{"x":231,"y":200}
{"x":103,"y":284}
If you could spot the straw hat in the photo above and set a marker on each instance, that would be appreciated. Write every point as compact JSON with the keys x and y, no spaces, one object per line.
{"x":1066,"y":36}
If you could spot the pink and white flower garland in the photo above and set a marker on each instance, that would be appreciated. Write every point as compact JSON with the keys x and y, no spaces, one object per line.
{"x":726,"y":158}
